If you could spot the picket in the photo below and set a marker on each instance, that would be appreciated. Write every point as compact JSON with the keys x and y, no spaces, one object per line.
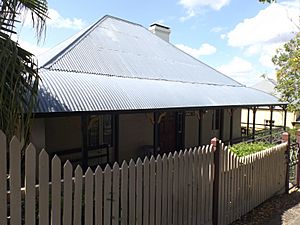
{"x":98,"y":196}
{"x":43,"y":188}
{"x":170,"y":188}
{"x":158,"y":182}
{"x":152,"y":172}
{"x":30,"y":171}
{"x":56,"y":190}
{"x":164,"y":193}
{"x":67,"y":193}
{"x":77,"y":208}
{"x":107,"y":197}
{"x":180,"y":187}
{"x":194,"y":186}
{"x":185,"y":186}
{"x":116,"y":195}
{"x":124,"y":194}
{"x":146,"y":192}
{"x":175,"y":190}
{"x":189,"y":189}
{"x":205,"y":183}
{"x":132,"y":193}
{"x":15,"y":181}
{"x":88,"y":197}
{"x":200,"y":205}
{"x":139,"y":192}
{"x":3,"y":179}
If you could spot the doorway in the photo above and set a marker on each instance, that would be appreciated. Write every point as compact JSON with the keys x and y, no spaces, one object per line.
{"x":216,"y":123}
{"x":171,"y":132}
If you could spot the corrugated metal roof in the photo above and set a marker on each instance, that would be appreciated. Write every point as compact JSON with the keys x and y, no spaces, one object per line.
{"x":267,"y":85}
{"x":69,"y":91}
{"x":119,"y":65}
{"x":118,"y":48}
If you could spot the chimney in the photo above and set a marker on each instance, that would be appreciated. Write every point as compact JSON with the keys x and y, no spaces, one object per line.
{"x":161,"y":31}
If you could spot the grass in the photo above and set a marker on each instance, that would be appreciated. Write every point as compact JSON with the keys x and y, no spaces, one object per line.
{"x":243,"y":149}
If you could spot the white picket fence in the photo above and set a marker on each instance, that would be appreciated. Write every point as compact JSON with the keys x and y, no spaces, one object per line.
{"x":175,"y":189}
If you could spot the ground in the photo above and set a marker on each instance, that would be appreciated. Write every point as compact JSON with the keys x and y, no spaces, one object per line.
{"x":282,"y":209}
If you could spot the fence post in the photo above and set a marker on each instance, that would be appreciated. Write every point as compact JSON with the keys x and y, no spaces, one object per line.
{"x":285,"y":138}
{"x":216,"y":147}
{"x":298,"y":163}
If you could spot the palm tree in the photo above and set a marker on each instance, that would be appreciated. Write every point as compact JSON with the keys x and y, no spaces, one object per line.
{"x":18,"y":68}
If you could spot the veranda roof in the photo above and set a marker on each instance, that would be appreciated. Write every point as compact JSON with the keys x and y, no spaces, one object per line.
{"x":119,"y":65}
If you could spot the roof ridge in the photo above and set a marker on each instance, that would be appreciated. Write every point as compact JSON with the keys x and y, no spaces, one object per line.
{"x":77,"y":40}
{"x":73,"y":43}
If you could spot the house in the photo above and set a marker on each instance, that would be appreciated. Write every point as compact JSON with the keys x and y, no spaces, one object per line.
{"x":263,"y":114}
{"x":117,"y":91}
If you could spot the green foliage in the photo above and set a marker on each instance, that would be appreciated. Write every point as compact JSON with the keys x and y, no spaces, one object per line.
{"x":287,"y":60}
{"x":243,"y":149}
{"x":18,"y":68}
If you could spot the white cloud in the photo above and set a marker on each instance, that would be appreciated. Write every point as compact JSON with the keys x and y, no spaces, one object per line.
{"x":194,"y":4}
{"x":236,"y":66}
{"x":194,"y":7}
{"x":262,"y":34}
{"x":57,"y":21}
{"x":189,"y":14}
{"x":276,"y":23}
{"x":35,"y":49}
{"x":217,"y":29}
{"x":205,"y":49}
{"x":240,"y":70}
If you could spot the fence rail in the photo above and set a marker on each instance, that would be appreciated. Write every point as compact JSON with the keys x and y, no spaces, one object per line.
{"x":170,"y":189}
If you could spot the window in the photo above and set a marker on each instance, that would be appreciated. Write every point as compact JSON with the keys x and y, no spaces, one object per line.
{"x":216,"y":119}
{"x":99,"y":130}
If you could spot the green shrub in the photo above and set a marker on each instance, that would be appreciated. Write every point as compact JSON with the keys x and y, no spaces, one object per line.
{"x":243,"y":149}
{"x":292,"y":132}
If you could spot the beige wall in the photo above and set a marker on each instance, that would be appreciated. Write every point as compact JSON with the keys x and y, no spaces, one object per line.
{"x":37,"y":137}
{"x":264,"y":114}
{"x":191,"y":130}
{"x":226,"y":124}
{"x":63,"y":133}
{"x":206,"y":127}
{"x":135,"y":131}
{"x":237,"y":123}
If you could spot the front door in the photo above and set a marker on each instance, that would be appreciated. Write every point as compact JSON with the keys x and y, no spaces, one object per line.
{"x":171,"y":132}
{"x":167,"y":133}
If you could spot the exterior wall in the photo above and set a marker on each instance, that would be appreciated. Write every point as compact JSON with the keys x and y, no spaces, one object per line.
{"x":63,"y":133}
{"x":135,"y":132}
{"x":207,"y":133}
{"x":226,"y":125}
{"x":237,"y":114}
{"x":264,"y":114}
{"x":207,"y":127}
{"x":191,"y":130}
{"x":135,"y":135}
{"x":37,"y":137}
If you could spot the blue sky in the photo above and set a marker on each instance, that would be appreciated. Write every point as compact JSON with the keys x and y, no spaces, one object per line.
{"x":236,"y":37}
